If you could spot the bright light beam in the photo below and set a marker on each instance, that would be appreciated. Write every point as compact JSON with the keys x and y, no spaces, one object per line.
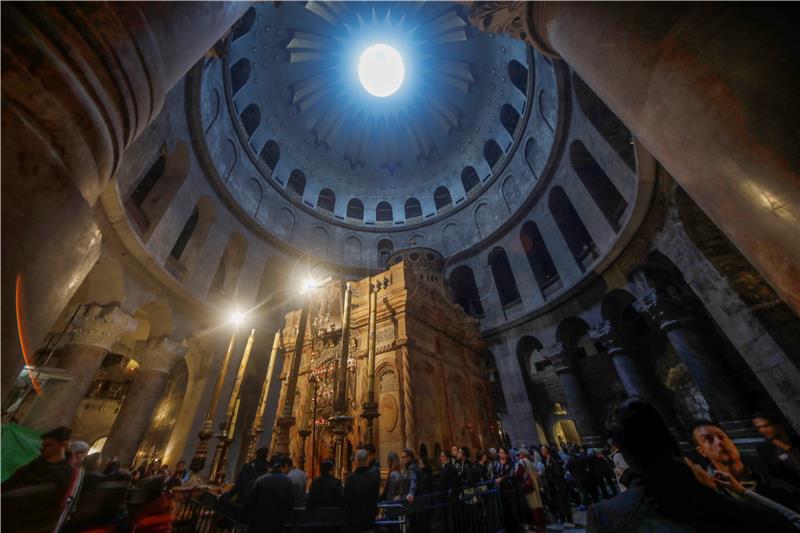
{"x":381,"y":70}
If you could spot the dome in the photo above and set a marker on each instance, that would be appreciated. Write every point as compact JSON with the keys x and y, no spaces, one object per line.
{"x":288,"y":98}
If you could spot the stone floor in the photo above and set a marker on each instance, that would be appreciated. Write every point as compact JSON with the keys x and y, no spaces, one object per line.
{"x":580,"y":522}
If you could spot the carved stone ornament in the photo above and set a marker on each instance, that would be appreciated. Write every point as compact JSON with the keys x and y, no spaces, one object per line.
{"x":662,"y":310}
{"x":612,"y":337}
{"x":563,"y":360}
{"x":161,"y":354}
{"x":101,"y":326}
{"x":519,"y":19}
{"x":501,"y":17}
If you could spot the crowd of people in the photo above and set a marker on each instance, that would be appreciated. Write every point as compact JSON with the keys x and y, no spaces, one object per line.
{"x":639,"y":481}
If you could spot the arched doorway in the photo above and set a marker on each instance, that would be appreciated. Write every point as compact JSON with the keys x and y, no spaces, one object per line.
{"x":564,"y":431}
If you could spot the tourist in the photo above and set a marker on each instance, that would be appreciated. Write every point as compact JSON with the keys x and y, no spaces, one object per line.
{"x":361,"y":495}
{"x":410,"y":472}
{"x":299,"y":481}
{"x":372,"y":460}
{"x":781,"y":452}
{"x":556,"y":487}
{"x":326,"y":490}
{"x":425,"y":482}
{"x":181,"y":475}
{"x":493,"y":460}
{"x":528,"y":479}
{"x":577,"y":468}
{"x":484,"y":467}
{"x":464,"y":466}
{"x":507,"y":482}
{"x":393,"y":488}
{"x":52,"y":466}
{"x":78,"y":450}
{"x":596,"y":469}
{"x":668,"y":494}
{"x":271,"y":499}
{"x":715,"y":444}
{"x":621,"y":466}
{"x":448,"y":477}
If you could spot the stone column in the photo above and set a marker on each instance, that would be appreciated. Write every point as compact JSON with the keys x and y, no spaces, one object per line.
{"x":580,"y":410}
{"x":81,"y":81}
{"x":618,"y":346}
{"x":133,"y":420}
{"x":95,"y":330}
{"x":709,"y":89}
{"x":708,"y":374}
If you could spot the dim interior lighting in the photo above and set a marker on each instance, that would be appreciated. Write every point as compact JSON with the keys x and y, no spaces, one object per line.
{"x":381,"y":70}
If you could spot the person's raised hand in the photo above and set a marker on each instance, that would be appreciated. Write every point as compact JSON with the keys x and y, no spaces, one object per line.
{"x":701,"y":475}
{"x":724,"y":479}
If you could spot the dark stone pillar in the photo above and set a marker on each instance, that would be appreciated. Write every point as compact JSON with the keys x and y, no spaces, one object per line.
{"x":618,"y":346}
{"x":80,"y":82}
{"x":578,"y":405}
{"x":709,"y":376}
{"x":146,"y":391}
{"x":709,"y":89}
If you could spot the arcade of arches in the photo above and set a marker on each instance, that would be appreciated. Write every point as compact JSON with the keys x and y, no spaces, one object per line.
{"x":530,"y":229}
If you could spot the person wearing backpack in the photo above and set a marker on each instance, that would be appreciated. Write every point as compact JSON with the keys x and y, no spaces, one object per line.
{"x":531,"y":488}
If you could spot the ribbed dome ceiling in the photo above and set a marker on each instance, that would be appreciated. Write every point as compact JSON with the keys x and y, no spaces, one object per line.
{"x":362,"y":159}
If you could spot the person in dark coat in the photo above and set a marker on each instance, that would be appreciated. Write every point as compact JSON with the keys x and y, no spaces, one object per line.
{"x":448,"y":477}
{"x":556,"y":487}
{"x":780,"y":453}
{"x":326,"y":490}
{"x":425,"y":482}
{"x":54,"y":464}
{"x":271,"y":498}
{"x":361,"y":495}
{"x":672,"y":494}
{"x":509,"y":494}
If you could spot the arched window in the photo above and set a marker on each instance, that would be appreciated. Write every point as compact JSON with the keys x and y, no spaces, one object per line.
{"x":153,"y":193}
{"x":240,"y":73}
{"x":185,"y":235}
{"x":465,"y":291}
{"x":442,"y":198}
{"x":355,"y":209}
{"x":492,"y":152}
{"x":599,"y":185}
{"x":535,"y":156}
{"x":385,"y":249}
{"x":571,"y":227}
{"x":297,"y":182}
{"x":244,"y":24}
{"x":544,"y":270}
{"x":383,"y":212}
{"x":604,"y":121}
{"x":470,"y":179}
{"x":230,"y":264}
{"x":503,"y":277}
{"x":251,"y":117}
{"x":191,"y":239}
{"x":509,"y":118}
{"x":413,"y":208}
{"x":271,"y":154}
{"x":326,"y":200}
{"x":143,"y":189}
{"x":526,"y":347}
{"x":518,"y":74}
